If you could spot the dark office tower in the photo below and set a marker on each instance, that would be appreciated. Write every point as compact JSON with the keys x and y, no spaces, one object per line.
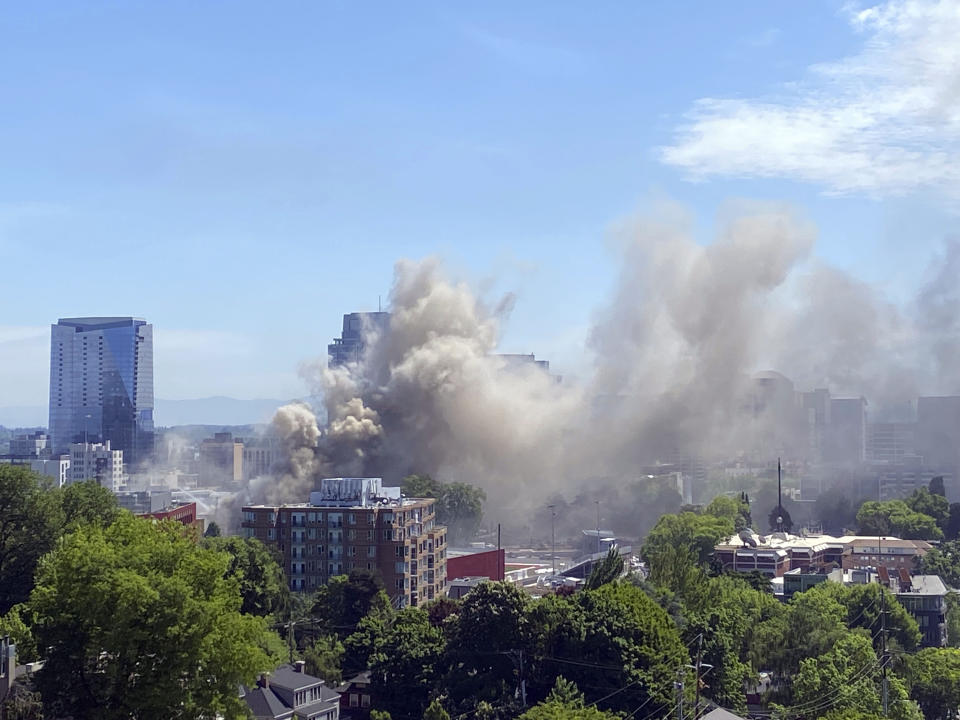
{"x":357,"y":328}
{"x":846,"y":441}
{"x":101,"y":385}
{"x":938,"y":433}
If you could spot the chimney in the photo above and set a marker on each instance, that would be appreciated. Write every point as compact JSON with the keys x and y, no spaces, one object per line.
{"x":300,"y":666}
{"x":264,"y":680}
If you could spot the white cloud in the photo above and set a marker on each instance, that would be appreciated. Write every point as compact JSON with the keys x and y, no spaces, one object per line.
{"x":884,"y":121}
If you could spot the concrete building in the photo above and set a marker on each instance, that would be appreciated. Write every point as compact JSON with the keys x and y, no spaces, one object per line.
{"x":32,"y":445}
{"x":221,"y":460}
{"x":778,"y":553}
{"x":357,"y":523}
{"x":58,"y":468}
{"x":846,"y":441}
{"x":938,"y":436}
{"x":97,"y":461}
{"x":101,"y":385}
{"x":259,"y":456}
{"x":357,"y":329}
{"x":891,"y":442}
{"x":142,"y":502}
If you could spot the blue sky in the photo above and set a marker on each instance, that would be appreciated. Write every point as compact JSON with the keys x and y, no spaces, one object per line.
{"x":241,"y":174}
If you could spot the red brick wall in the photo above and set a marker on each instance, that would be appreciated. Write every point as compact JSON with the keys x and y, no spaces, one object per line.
{"x":489,"y":564}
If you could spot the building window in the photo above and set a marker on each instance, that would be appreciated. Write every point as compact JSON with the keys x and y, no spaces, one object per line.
{"x":354,"y":700}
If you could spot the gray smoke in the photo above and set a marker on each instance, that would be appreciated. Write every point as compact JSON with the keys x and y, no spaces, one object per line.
{"x":672,"y":355}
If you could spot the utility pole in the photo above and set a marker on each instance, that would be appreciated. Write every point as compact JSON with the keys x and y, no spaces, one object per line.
{"x":553,"y":538}
{"x":696,"y":702}
{"x":598,"y":525}
{"x":679,"y":687}
{"x":883,"y":618}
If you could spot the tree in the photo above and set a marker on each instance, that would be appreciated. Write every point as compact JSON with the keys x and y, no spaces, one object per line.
{"x":943,"y":561}
{"x":406,"y":667}
{"x":932,"y":504}
{"x":845,"y":675}
{"x":460,"y":508}
{"x":459,"y":505}
{"x":952,"y":528}
{"x":735,"y":510}
{"x":895,"y":517}
{"x":484,"y":637}
{"x":213,"y":530}
{"x":88,"y":502}
{"x":864,"y":609}
{"x":614,"y":642}
{"x":607,"y":570}
{"x":30,"y":522}
{"x":139,"y":621}
{"x":323,"y":659}
{"x":953,"y":620}
{"x":701,"y":532}
{"x":779,"y":519}
{"x":835,"y":510}
{"x":565,"y":702}
{"x":16,"y":624}
{"x":346,"y":599}
{"x":720,"y":621}
{"x":937,"y":486}
{"x":419,"y":486}
{"x":933,"y":678}
{"x":362,"y":643}
{"x":263,"y":586}
{"x":435,"y":711}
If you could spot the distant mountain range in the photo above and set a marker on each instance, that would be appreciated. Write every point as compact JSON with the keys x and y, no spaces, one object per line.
{"x":217,"y":410}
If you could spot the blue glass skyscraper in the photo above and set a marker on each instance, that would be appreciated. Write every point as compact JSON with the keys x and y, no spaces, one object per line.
{"x":101,"y":384}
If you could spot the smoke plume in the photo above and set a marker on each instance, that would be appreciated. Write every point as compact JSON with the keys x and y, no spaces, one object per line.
{"x":672,"y":354}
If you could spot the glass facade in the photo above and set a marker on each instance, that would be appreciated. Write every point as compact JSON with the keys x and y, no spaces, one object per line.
{"x":101,"y":384}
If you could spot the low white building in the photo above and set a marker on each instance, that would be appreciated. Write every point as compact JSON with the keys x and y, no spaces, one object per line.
{"x":96,"y":461}
{"x":57,"y":468}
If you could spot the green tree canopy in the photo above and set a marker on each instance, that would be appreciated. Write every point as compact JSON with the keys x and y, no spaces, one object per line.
{"x":256,"y":569}
{"x":87,"y":502}
{"x":687,"y":529}
{"x":406,"y":667}
{"x":435,"y":711}
{"x":864,"y":609}
{"x":213,"y":530}
{"x":31,"y":519}
{"x":606,"y":571}
{"x":737,"y":510}
{"x":17,"y":623}
{"x":616,"y":639}
{"x":323,"y":659}
{"x":139,"y":621}
{"x":459,"y":505}
{"x":895,"y":517}
{"x":346,"y":599}
{"x":931,"y":504}
{"x":943,"y":561}
{"x":933,"y":678}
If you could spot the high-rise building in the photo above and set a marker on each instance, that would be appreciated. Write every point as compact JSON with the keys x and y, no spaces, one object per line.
{"x":221,"y":459}
{"x":101,"y":384}
{"x":356,"y":523}
{"x":357,"y":327}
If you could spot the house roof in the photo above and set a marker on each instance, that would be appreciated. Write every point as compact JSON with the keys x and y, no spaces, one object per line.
{"x":289,"y":679}
{"x":264,"y":703}
{"x":720,"y":714}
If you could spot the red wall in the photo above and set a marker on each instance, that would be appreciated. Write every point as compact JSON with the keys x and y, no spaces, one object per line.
{"x":483,"y":564}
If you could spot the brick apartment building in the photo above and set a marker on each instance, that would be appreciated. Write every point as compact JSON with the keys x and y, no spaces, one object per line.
{"x":357,"y":523}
